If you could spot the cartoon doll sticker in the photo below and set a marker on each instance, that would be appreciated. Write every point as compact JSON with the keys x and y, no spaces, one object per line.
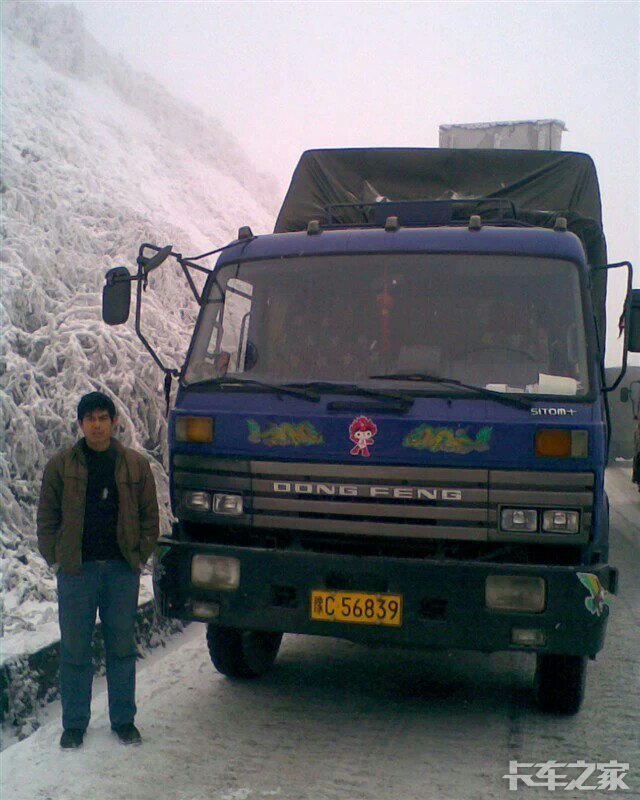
{"x":361,"y":432}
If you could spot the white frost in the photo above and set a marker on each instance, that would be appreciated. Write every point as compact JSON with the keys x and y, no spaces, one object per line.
{"x":96,"y":160}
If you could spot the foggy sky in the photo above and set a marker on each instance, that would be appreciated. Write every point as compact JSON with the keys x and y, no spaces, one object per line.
{"x":283,"y":77}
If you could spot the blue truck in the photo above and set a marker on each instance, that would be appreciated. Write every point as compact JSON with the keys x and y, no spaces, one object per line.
{"x":391,"y":424}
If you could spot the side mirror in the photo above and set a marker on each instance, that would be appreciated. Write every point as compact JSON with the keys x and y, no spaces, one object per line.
{"x":624,"y":395}
{"x":116,"y":296}
{"x":634,"y":322}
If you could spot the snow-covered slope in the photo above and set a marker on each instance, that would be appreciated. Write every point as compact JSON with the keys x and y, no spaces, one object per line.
{"x":96,"y":159}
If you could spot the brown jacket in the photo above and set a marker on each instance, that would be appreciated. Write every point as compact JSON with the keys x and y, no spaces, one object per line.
{"x":62,"y":504}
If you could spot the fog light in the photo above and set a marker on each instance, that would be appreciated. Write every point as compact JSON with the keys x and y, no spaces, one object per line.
{"x":215,"y":572}
{"x":519,"y":519}
{"x":559,"y":521}
{"x":528,"y":637}
{"x":515,"y":593}
{"x":198,"y":501}
{"x":205,"y":610}
{"x":227,"y":504}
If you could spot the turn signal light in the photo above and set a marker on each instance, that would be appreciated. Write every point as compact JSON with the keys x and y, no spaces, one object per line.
{"x":553,"y":443}
{"x":194,"y":429}
{"x":562,"y":443}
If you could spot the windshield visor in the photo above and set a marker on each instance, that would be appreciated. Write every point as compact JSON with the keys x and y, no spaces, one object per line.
{"x":507,"y":323}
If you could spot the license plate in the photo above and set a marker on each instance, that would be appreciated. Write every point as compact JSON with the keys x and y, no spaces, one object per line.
{"x":356,"y":607}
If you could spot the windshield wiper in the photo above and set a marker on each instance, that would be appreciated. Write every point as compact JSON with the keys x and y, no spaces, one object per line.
{"x":499,"y":397}
{"x":403,"y":399}
{"x":277,"y":389}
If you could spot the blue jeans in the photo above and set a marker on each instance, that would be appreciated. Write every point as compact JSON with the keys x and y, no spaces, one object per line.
{"x":112,"y":588}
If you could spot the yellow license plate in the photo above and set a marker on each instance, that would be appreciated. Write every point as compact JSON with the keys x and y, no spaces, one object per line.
{"x":356,"y":607}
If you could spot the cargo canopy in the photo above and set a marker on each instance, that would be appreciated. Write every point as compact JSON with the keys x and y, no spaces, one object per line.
{"x":342,"y":186}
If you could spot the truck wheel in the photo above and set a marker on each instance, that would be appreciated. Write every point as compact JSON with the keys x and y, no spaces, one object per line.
{"x":560,"y":682}
{"x":242,"y":654}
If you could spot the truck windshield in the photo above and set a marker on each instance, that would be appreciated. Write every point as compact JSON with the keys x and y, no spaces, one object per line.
{"x":507,"y":323}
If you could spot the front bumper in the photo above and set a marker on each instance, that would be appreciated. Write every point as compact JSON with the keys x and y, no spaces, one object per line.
{"x":443,"y":601}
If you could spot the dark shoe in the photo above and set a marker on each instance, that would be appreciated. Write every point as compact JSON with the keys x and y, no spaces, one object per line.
{"x":128,"y":734}
{"x":71,"y":738}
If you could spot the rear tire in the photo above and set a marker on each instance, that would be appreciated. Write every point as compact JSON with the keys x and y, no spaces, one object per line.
{"x":238,"y":653}
{"x":560,"y":683}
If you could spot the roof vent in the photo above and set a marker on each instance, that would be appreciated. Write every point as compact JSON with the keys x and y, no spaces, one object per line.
{"x":391,"y":224}
{"x":313,"y":227}
{"x":560,"y":224}
{"x":475,"y":222}
{"x":244,"y":232}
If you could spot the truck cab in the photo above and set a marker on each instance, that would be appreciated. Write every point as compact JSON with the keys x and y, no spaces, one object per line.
{"x":391,"y":423}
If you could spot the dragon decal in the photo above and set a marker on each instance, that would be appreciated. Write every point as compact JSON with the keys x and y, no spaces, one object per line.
{"x":286,"y":434}
{"x":448,"y":440}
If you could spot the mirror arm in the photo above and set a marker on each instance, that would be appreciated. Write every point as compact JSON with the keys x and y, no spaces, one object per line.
{"x":186,"y":266}
{"x":141,"y":278}
{"x":189,"y":264}
{"x":190,"y":281}
{"x":147,"y":265}
{"x":623,"y":322}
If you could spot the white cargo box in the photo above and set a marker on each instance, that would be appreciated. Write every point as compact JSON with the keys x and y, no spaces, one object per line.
{"x":538,"y":134}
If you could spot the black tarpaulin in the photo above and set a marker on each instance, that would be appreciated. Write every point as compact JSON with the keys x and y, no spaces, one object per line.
{"x":542,"y":185}
{"x":536,"y":180}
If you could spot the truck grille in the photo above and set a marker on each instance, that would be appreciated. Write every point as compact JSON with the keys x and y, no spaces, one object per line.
{"x":405,"y":502}
{"x":408,"y":503}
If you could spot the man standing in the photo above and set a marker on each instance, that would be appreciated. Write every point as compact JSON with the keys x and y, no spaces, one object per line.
{"x":97,"y":526}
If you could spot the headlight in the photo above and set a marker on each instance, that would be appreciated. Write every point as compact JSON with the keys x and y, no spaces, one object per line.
{"x":559,"y":521}
{"x":227,"y":504}
{"x":197,"y":501}
{"x":515,"y":593}
{"x":215,"y":572}
{"x":519,"y":519}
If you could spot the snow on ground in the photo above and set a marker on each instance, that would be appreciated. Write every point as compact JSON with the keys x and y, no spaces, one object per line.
{"x":95,"y":160}
{"x":337,"y":721}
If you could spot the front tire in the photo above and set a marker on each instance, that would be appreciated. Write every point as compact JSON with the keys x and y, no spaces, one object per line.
{"x":238,"y":653}
{"x":560,"y":683}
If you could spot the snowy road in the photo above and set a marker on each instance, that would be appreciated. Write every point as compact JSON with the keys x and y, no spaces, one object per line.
{"x":335,"y":721}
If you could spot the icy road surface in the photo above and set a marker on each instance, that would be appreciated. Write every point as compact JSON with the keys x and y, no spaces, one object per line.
{"x":335,"y":721}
